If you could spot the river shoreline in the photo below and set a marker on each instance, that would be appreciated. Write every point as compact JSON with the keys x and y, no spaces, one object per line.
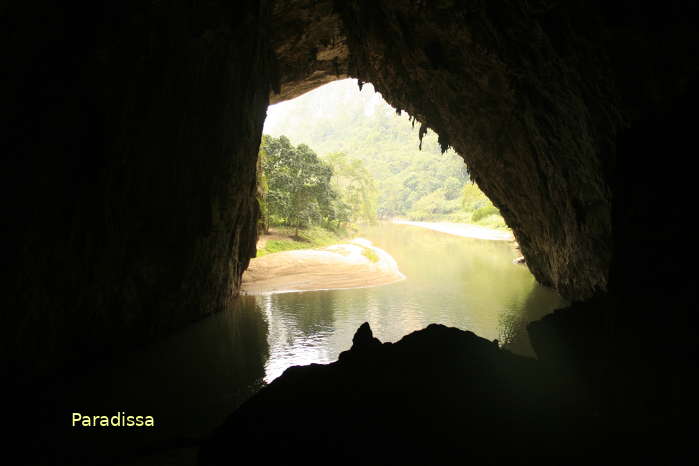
{"x":464,"y":230}
{"x":353,"y":264}
{"x":341,"y":266}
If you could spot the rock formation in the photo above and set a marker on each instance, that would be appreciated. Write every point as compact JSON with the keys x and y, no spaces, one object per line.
{"x":463,"y":400}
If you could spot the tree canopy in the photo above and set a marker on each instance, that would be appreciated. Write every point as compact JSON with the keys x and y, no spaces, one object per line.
{"x":298,"y":184}
{"x":336,"y":118}
{"x":378,"y":169}
{"x":355,"y":185}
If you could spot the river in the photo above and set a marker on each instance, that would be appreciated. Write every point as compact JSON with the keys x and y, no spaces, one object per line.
{"x":467,"y":283}
{"x":190,"y":381}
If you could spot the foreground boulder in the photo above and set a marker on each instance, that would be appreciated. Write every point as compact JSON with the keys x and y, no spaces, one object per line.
{"x":438,"y":396}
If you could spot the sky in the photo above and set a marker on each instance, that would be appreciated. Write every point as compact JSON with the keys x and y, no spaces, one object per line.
{"x":326,"y":99}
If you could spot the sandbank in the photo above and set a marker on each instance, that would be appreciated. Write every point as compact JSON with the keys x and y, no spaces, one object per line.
{"x":334,"y":267}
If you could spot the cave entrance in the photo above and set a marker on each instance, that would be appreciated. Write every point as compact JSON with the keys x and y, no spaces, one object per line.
{"x":383,"y":167}
{"x":365,"y":219}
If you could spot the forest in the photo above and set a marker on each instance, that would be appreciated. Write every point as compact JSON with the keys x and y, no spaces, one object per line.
{"x":356,"y":160}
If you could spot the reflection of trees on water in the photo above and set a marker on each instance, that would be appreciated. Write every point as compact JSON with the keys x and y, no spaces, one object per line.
{"x":303,"y":326}
{"x":308,"y":313}
{"x":249,"y":345}
{"x":461,"y":282}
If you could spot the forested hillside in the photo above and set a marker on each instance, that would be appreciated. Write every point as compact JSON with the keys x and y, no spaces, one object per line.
{"x":419,"y":184}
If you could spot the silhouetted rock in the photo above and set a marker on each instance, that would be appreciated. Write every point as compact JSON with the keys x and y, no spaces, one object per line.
{"x":438,"y":396}
{"x":364,"y":338}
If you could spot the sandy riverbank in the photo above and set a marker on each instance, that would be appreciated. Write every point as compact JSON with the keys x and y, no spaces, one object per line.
{"x":463,"y":229}
{"x":333,"y":267}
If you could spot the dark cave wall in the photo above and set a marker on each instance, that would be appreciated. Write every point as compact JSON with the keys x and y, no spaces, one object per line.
{"x":134,"y":132}
{"x":310,"y":45}
{"x":532,"y":124}
{"x":134,"y":129}
{"x":533,"y":95}
{"x":519,"y":89}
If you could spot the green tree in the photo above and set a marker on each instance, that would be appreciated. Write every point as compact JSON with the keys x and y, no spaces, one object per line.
{"x":472,"y":197}
{"x":355,"y":186}
{"x":338,"y":118}
{"x":299,"y":191}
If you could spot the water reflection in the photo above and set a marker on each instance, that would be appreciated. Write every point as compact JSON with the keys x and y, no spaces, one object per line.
{"x":461,"y":282}
{"x":192,"y":380}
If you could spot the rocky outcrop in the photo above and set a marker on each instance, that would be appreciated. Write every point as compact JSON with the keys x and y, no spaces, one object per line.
{"x":438,"y":396}
{"x":309,"y":42}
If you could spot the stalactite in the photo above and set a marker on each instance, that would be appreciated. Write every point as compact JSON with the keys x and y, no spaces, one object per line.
{"x":421,"y":133}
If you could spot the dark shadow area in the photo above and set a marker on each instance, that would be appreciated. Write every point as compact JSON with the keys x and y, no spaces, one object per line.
{"x":187,"y":382}
{"x":438,"y":396}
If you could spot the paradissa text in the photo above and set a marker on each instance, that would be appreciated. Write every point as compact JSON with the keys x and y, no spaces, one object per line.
{"x":118,"y":420}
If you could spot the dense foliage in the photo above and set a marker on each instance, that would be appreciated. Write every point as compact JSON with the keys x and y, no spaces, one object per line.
{"x":355,"y":186}
{"x":407,"y":182}
{"x":298,"y":191}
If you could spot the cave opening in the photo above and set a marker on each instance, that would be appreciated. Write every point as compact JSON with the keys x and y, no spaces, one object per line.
{"x":352,"y":248}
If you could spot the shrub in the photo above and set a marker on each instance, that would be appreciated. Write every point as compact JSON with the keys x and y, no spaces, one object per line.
{"x":370,"y":254}
{"x":483,"y":212}
{"x":493,"y":221}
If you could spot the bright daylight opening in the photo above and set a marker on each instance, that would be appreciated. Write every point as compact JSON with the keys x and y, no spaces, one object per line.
{"x":363,"y":222}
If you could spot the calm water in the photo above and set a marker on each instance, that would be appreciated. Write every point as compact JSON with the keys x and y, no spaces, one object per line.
{"x":191,"y":381}
{"x":461,"y":282}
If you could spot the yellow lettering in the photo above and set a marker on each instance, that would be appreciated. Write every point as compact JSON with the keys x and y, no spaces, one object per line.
{"x":118,"y":420}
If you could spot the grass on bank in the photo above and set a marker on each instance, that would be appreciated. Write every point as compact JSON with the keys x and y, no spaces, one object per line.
{"x":309,"y":238}
{"x":370,"y":254}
